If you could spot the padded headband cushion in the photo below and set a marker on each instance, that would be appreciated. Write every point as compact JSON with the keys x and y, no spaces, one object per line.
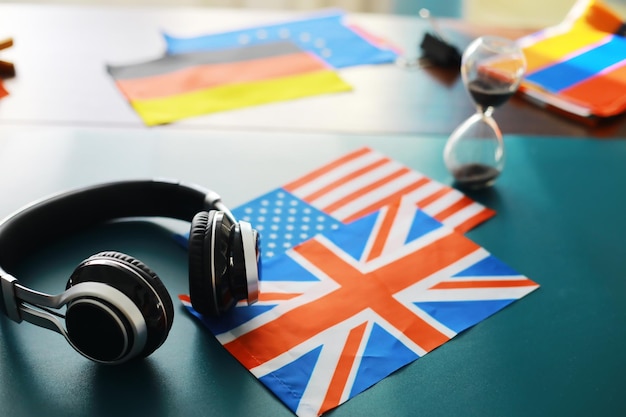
{"x":66,"y":213}
{"x":69,"y":212}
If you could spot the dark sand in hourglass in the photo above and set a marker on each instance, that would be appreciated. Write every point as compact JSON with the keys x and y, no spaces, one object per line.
{"x":474,"y":176}
{"x":489,"y":92}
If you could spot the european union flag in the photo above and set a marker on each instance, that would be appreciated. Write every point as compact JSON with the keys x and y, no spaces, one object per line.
{"x":326,"y":36}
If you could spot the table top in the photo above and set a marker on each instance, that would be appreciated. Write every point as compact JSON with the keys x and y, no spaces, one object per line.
{"x":559,"y":221}
{"x":60,"y":53}
{"x":559,"y":204}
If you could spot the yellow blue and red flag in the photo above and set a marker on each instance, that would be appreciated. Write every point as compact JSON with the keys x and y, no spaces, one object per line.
{"x":579,"y":65}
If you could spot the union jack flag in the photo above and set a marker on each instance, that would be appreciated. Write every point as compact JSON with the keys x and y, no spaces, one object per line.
{"x":345,"y":309}
{"x":346,"y":189}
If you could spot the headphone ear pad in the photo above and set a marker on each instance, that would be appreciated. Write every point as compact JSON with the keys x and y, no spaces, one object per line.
{"x":209,"y":263}
{"x":144,"y":288}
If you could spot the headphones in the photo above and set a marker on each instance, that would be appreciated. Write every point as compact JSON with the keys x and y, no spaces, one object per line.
{"x":115,"y":307}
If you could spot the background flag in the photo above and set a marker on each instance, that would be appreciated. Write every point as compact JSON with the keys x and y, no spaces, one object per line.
{"x":579,"y":65}
{"x":345,"y":309}
{"x":3,"y":91}
{"x":179,"y":86}
{"x":326,"y":36}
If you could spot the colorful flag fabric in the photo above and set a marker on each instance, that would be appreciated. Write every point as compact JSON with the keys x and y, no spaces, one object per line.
{"x":580,"y":64}
{"x":3,"y":91}
{"x":175,"y":87}
{"x":343,"y":190}
{"x":344,"y":310}
{"x":326,"y":36}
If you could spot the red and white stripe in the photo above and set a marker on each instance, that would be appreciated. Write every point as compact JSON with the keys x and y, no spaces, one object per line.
{"x":365,"y":180}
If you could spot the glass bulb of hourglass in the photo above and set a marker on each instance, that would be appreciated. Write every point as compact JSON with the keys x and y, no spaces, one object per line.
{"x":492,"y":69}
{"x":474,"y":153}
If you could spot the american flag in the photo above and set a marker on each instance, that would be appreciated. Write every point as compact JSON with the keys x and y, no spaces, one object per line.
{"x":346,"y":189}
{"x":347,"y":308}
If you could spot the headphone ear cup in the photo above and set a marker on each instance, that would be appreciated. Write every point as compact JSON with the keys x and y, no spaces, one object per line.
{"x":246,"y":264}
{"x":209,"y":263}
{"x":143,"y":287}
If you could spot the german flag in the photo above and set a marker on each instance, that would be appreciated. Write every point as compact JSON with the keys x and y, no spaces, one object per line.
{"x":184,"y":85}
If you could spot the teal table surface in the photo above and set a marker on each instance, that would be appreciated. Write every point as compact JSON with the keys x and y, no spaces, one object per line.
{"x":560,"y":221}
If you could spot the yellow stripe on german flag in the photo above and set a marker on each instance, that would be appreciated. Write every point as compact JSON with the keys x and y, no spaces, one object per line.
{"x":233,"y":96}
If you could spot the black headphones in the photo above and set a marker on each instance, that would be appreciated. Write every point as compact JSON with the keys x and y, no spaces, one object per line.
{"x":116,"y":308}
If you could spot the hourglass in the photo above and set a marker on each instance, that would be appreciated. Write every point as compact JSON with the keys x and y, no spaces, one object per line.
{"x":491,"y":68}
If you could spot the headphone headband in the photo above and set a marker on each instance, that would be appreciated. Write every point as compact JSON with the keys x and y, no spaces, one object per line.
{"x":65,"y":213}
{"x":114,"y":307}
{"x":62,"y":214}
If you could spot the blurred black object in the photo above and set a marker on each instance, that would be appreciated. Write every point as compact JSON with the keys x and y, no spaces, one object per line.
{"x":436,"y":48}
{"x":439,"y":52}
{"x":7,"y":69}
